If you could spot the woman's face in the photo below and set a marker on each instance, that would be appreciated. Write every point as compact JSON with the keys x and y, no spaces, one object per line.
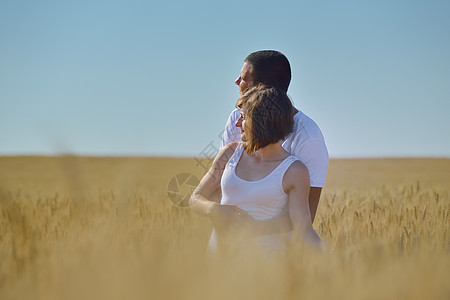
{"x":241,"y":124}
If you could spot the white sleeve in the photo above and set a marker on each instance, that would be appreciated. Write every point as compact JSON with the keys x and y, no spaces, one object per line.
{"x":314,"y":155}
{"x":231,"y":132}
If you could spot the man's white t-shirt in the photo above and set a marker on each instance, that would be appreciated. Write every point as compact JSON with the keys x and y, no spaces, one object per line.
{"x":306,"y":142}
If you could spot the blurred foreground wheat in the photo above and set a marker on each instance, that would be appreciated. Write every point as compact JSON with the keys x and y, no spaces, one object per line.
{"x":104,"y":228}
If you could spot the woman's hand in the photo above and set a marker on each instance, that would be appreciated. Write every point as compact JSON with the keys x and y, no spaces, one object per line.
{"x":229,"y":219}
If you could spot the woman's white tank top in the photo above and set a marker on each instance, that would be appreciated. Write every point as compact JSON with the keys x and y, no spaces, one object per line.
{"x":262,"y":199}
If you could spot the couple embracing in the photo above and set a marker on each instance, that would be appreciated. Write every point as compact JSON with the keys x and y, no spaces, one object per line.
{"x":265,"y":184}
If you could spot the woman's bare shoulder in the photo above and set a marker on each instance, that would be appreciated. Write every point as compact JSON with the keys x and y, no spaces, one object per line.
{"x":231,"y":146}
{"x":298,"y":168}
{"x":225,"y":153}
{"x":296,"y":175}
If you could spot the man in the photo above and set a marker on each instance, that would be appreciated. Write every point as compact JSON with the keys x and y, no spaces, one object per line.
{"x":306,"y":141}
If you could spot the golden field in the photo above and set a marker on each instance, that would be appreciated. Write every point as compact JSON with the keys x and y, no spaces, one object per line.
{"x":104,"y":228}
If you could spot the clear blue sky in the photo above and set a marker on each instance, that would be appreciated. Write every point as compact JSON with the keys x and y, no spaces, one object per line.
{"x":146,"y":78}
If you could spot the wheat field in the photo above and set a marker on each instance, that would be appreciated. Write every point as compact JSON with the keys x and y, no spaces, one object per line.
{"x":105,"y":228}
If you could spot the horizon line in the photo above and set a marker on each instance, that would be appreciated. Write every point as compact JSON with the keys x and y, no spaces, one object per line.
{"x":177,"y":156}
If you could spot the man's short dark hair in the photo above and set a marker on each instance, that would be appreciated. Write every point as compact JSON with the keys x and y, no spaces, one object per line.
{"x":271,"y":68}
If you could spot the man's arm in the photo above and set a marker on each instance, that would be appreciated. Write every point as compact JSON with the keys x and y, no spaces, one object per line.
{"x":314,"y":155}
{"x":314,"y":197}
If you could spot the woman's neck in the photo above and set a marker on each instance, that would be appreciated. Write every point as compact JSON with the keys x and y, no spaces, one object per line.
{"x":270,"y":153}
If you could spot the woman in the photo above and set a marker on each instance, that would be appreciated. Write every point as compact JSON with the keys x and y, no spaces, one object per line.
{"x":258,"y":178}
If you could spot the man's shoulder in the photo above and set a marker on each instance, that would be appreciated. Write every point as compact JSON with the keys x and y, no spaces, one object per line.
{"x":231,"y":132}
{"x":305,"y":128}
{"x":232,"y":118}
{"x":306,"y":142}
{"x":234,"y":115}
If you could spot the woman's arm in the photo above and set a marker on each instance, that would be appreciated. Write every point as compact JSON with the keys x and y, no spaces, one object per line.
{"x":282,"y":223}
{"x":224,"y":217}
{"x":296,"y":185}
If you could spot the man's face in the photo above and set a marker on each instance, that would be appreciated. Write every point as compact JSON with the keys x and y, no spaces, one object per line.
{"x":245,"y":79}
